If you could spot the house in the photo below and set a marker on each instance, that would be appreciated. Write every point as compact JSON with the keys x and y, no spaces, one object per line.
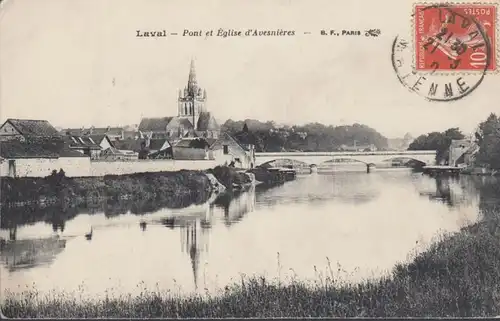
{"x":25,"y":129}
{"x":146,"y":147}
{"x":91,"y":145}
{"x":133,"y":145}
{"x":192,"y":120}
{"x":114,"y":154}
{"x":229,"y":150}
{"x":225,"y":149}
{"x":470,"y":155}
{"x":102,"y":140}
{"x":84,"y":144}
{"x":114,"y":133}
{"x":462,"y":152}
{"x":159,"y":148}
{"x":39,"y":157}
{"x":191,"y":149}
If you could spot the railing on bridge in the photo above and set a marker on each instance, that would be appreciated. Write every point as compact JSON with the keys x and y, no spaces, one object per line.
{"x":377,"y":153}
{"x":375,"y":157}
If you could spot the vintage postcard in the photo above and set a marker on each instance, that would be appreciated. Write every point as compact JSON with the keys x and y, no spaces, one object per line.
{"x":249,"y":158}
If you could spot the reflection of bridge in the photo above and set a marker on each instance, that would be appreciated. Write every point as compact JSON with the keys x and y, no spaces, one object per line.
{"x":426,"y":157}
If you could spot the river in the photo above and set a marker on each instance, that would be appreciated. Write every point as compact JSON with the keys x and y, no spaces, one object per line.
{"x":350,"y":223}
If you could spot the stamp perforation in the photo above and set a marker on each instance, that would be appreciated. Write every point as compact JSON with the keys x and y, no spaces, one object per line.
{"x":458,"y":72}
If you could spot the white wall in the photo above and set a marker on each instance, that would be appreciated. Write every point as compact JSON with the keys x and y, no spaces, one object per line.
{"x":118,"y":168}
{"x":75,"y":166}
{"x":40,"y":167}
{"x":82,"y":166}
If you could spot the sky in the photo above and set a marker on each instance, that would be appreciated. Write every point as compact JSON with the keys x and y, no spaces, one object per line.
{"x":79,"y":63}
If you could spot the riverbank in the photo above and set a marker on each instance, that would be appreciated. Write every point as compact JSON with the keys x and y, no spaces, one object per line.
{"x":457,"y":276}
{"x":480,"y":171}
{"x":57,"y":188}
{"x":57,"y":198}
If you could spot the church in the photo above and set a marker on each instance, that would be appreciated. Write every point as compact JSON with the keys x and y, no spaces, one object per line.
{"x":192,"y":120}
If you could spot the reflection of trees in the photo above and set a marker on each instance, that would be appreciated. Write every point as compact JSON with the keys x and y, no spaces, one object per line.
{"x":455,"y":191}
{"x":55,"y":215}
{"x":236,"y":206}
{"x":452,"y":191}
{"x":19,"y":254}
{"x":443,"y":191}
{"x":58,"y":215}
{"x":489,"y":194}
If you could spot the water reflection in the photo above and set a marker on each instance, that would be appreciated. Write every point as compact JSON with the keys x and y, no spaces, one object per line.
{"x":236,"y":206}
{"x":380,"y":216}
{"x":194,"y":240}
{"x":24,"y":254}
{"x":452,"y":191}
{"x":317,"y":189}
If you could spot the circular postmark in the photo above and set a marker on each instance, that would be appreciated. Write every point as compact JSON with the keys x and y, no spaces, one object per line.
{"x":451,"y":53}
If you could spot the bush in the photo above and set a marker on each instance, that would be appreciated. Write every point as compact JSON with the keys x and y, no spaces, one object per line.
{"x":229,"y":176}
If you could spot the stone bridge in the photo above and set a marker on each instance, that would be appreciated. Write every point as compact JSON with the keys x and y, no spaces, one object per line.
{"x":427,"y":157}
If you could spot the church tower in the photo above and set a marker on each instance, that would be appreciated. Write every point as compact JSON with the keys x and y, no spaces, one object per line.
{"x":192,"y":100}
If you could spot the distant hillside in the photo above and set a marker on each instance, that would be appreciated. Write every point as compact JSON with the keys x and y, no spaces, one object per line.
{"x":269,"y":137}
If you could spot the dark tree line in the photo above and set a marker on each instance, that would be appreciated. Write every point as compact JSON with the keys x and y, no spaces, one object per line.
{"x":487,"y":138}
{"x":313,"y":137}
{"x":438,"y":141}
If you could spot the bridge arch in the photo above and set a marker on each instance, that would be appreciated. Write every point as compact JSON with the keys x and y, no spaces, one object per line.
{"x":284,"y":162}
{"x":380,"y":157}
{"x":341,"y":160}
{"x":405,"y":159}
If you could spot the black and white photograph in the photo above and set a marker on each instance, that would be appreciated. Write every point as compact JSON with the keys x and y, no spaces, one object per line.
{"x":249,"y":159}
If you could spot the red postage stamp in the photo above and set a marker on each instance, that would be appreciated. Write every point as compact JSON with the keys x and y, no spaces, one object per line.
{"x":458,"y":37}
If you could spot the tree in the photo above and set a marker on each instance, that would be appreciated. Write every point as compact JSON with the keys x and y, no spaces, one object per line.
{"x":488,"y":139}
{"x":266,"y":136}
{"x":440,"y":142}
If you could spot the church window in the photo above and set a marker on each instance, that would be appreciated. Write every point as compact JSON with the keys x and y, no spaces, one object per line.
{"x":190,"y":109}
{"x":185,"y":109}
{"x":226,"y":149}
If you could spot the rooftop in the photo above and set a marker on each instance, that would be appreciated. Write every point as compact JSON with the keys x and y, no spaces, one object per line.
{"x":54,"y":148}
{"x":33,"y":127}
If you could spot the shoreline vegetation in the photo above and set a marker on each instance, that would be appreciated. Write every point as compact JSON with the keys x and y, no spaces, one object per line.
{"x":480,"y":171}
{"x":166,"y":187}
{"x":56,"y":198}
{"x":457,"y":276}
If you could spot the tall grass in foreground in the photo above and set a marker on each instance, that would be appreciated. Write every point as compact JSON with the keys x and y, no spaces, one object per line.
{"x":457,"y":276}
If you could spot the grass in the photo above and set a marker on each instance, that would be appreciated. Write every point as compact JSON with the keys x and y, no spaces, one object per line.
{"x":458,"y":276}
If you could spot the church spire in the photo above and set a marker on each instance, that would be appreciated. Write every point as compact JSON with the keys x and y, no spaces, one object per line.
{"x":192,"y":84}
